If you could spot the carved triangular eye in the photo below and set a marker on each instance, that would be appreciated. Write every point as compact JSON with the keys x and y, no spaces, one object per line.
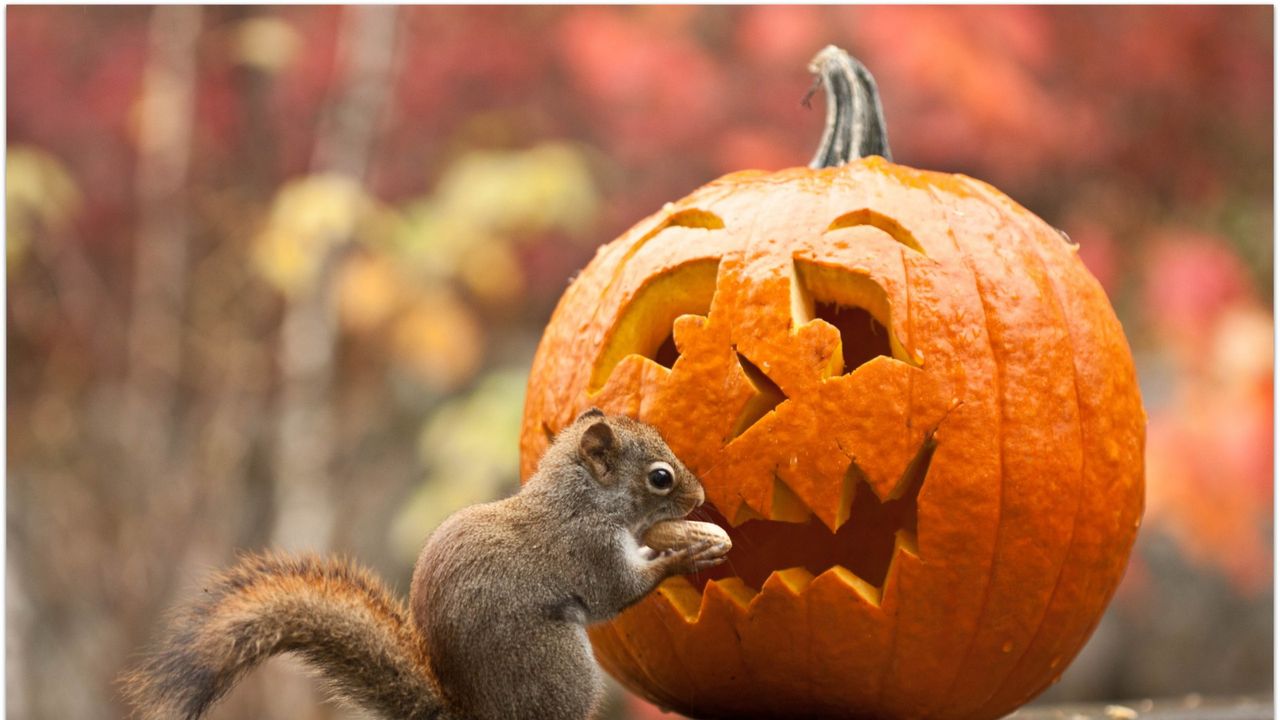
{"x":851,"y":302}
{"x":645,"y":327}
{"x":862,"y":337}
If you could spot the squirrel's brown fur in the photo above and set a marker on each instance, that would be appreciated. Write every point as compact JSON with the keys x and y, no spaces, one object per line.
{"x":501,"y":597}
{"x":339,"y":617}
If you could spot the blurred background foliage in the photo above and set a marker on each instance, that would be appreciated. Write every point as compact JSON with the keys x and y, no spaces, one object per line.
{"x":275,"y":276}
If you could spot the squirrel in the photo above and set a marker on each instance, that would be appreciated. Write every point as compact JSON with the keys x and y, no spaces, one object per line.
{"x":499,"y":603}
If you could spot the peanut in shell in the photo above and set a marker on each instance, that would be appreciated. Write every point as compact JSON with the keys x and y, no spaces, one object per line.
{"x":674,"y":534}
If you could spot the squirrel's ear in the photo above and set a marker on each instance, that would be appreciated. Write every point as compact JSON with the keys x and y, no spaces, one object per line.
{"x":596,"y":448}
{"x":593,"y":412}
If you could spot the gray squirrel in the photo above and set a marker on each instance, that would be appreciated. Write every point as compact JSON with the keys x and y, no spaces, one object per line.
{"x":501,"y":597}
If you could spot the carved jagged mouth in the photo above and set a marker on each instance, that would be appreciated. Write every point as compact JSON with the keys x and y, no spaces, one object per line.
{"x":864,"y":545}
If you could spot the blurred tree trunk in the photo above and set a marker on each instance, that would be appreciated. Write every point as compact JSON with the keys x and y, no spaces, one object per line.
{"x":162,"y":490}
{"x":307,"y":431}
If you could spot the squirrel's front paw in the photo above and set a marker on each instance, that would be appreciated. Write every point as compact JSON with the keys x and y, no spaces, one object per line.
{"x":694,"y":558}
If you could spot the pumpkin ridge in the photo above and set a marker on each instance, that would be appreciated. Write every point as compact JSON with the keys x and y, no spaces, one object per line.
{"x":614,"y":630}
{"x":1071,"y":639}
{"x":1029,"y":251}
{"x":614,"y":274}
{"x":911,"y":397}
{"x":657,"y":690}
{"x":609,"y":635}
{"x":661,"y":621}
{"x":1034,"y":253}
{"x":998,"y":394}
{"x":882,"y":681}
{"x":1100,"y":591}
{"x":1024,"y":318}
{"x":888,"y":598}
{"x":543,"y":402}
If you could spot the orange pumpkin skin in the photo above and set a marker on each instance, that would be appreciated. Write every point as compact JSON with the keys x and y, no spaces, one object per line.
{"x":973,"y":480}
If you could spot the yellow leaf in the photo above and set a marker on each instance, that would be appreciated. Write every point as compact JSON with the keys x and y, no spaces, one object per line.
{"x":40,"y":195}
{"x":438,"y":339}
{"x":266,"y":43}
{"x":548,"y":187}
{"x":434,"y":240}
{"x":492,"y":271}
{"x":488,"y":199}
{"x":370,"y":291}
{"x":308,"y":218}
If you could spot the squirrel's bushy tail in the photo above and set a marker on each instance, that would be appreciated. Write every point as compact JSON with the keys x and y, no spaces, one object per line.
{"x":339,"y":618}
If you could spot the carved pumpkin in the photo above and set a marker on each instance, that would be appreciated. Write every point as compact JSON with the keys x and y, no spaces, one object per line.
{"x":911,"y":406}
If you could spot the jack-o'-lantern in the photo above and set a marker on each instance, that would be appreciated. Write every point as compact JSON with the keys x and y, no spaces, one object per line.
{"x":912,"y":408}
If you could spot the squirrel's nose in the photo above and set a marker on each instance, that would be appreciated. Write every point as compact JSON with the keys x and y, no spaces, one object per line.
{"x":701,"y":497}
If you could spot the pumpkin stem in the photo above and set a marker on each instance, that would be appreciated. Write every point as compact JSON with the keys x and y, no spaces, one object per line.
{"x":855,"y":122}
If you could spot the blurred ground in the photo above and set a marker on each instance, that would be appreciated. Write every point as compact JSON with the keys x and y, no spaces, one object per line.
{"x":275,"y":277}
{"x":1190,"y":707}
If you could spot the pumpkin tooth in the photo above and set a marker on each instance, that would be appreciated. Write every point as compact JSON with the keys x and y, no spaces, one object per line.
{"x":732,"y":590}
{"x":793,"y":581}
{"x":848,"y":625}
{"x":849,"y":581}
{"x":682,"y":596}
{"x":905,"y":541}
{"x":848,"y":491}
{"x":775,"y":635}
{"x":766,"y":400}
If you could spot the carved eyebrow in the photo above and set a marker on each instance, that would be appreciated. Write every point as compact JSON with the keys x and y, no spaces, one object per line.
{"x":688,"y":218}
{"x":692,"y":218}
{"x":884,"y":223}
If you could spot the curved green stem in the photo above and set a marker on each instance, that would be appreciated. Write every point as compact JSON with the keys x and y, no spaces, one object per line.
{"x":855,"y":122}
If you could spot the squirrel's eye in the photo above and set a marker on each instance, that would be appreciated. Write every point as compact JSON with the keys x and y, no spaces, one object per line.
{"x":661,"y":477}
